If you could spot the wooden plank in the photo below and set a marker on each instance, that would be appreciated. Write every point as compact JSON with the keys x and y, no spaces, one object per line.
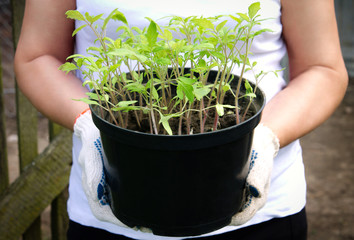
{"x":18,"y":8}
{"x":27,"y":125}
{"x":26,"y":120}
{"x":4,"y":169}
{"x":345,"y":19}
{"x":59,"y":217}
{"x":31,"y":193}
{"x":54,"y":130}
{"x":27,"y":115}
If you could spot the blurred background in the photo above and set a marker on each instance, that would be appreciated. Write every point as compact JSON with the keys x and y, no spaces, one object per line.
{"x":328,"y":150}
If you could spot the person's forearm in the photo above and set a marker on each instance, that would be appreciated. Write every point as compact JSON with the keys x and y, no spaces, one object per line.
{"x":318,"y":78}
{"x":50,"y":90}
{"x":305,"y":103}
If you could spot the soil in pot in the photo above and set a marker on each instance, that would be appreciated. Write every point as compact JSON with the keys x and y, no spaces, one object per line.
{"x":225,"y":121}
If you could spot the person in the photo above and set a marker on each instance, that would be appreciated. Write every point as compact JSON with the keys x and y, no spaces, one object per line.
{"x":305,"y":29}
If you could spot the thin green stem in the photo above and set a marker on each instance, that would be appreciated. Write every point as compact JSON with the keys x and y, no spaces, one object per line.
{"x":239,"y":84}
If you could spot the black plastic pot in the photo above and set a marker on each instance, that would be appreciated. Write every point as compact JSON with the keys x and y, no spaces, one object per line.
{"x":177,"y":185}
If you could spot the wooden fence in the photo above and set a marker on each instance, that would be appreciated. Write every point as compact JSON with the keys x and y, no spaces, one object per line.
{"x":345,"y":19}
{"x":43,"y":177}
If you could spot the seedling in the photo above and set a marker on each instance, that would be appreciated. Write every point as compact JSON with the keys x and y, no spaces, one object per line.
{"x":151,"y":74}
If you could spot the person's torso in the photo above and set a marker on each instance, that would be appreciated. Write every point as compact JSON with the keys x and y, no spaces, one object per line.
{"x":268,"y":50}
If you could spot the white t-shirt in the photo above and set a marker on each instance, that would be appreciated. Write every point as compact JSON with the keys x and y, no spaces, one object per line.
{"x":287,"y":194}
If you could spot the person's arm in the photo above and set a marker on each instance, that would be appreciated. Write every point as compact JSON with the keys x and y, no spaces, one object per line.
{"x":318,"y":77}
{"x":45,"y":43}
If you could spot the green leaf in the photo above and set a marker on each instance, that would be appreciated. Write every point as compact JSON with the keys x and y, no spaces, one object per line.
{"x":244,"y":16}
{"x":105,"y":97}
{"x":253,"y":9}
{"x":123,"y":52}
{"x":202,"y":63}
{"x":136,"y":87}
{"x":94,"y":96}
{"x":180,"y":93}
{"x":201,"y":92}
{"x":276,"y":72}
{"x":88,"y":17}
{"x":96,"y":49}
{"x":187,"y":81}
{"x":220,"y":109}
{"x":203,"y":46}
{"x":187,"y":90}
{"x":126,"y":103}
{"x":165,"y":124}
{"x":203,"y":23}
{"x":114,"y":67}
{"x":167,"y":127}
{"x":88,"y":101}
{"x":236,"y":18}
{"x":152,"y":33}
{"x":125,"y":109}
{"x":248,"y":87}
{"x":262,"y":31}
{"x":167,"y":35}
{"x":90,"y":84}
{"x":153,"y":92}
{"x":106,"y":20}
{"x":119,"y":16}
{"x":137,"y":30}
{"x":226,"y":87}
{"x":74,"y":14}
{"x":124,"y":29}
{"x":99,"y":63}
{"x":97,"y":17}
{"x":78,"y":29}
{"x":126,"y":106}
{"x":218,"y":55}
{"x":75,"y":56}
{"x":221,"y":25}
{"x":163,"y":61}
{"x":251,"y":95}
{"x":79,"y":61}
{"x":117,"y":43}
{"x":93,"y":68}
{"x":67,"y":67}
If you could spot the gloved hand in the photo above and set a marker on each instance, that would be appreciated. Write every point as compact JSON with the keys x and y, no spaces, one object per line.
{"x":91,"y":162}
{"x":265,"y":147}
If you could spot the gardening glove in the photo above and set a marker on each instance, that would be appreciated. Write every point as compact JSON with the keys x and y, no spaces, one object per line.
{"x":91,"y":161}
{"x":265,"y":147}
